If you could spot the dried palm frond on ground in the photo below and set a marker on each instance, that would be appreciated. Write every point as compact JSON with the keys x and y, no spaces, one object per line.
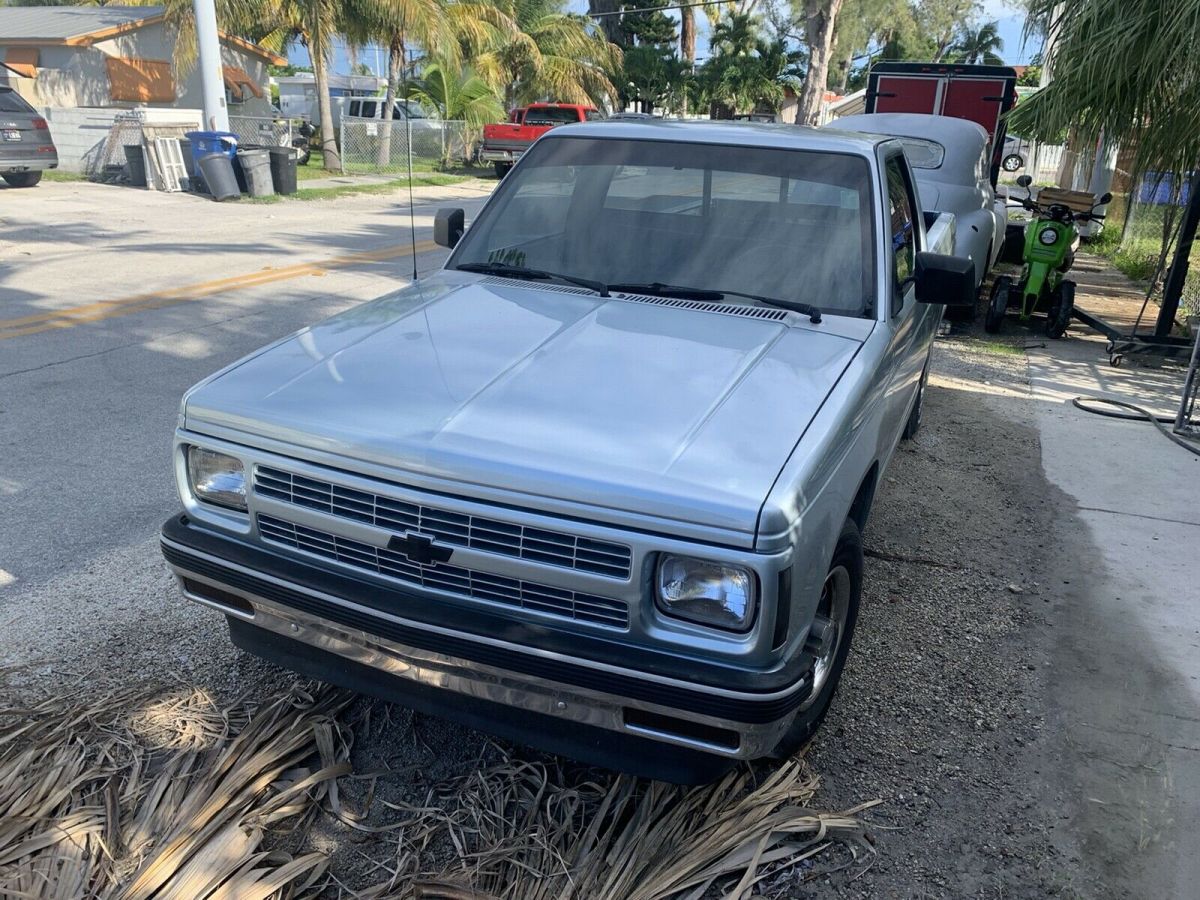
{"x":138,"y":796}
{"x":519,"y":833}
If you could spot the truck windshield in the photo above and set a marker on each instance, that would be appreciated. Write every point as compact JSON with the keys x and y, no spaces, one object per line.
{"x":791,"y":225}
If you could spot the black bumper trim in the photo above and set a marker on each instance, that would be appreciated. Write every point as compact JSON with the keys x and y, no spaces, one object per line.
{"x":750,"y":711}
{"x":588,"y":743}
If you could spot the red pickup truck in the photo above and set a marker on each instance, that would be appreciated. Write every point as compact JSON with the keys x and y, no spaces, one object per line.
{"x":503,"y":144}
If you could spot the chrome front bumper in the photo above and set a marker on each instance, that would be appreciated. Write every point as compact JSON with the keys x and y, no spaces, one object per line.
{"x":456,"y":675}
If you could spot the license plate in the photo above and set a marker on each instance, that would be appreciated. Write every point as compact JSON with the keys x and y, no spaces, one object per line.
{"x":11,"y":134}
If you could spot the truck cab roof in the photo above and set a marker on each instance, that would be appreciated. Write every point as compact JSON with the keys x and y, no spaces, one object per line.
{"x":750,"y":134}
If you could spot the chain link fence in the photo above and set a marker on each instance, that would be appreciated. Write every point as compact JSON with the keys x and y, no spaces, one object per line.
{"x":264,"y":131}
{"x":376,"y":146}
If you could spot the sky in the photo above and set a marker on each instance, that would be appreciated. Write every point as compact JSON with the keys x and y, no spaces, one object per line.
{"x":1007,"y":13}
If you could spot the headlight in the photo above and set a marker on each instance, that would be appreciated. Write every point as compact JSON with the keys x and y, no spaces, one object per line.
{"x":216,"y":477}
{"x":706,"y":592}
{"x":1048,"y":236}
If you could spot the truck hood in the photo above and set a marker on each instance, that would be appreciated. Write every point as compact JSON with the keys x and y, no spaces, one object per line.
{"x":560,"y":396}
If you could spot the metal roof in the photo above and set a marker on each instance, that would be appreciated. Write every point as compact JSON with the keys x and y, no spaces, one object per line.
{"x":59,"y":23}
{"x":750,"y":134}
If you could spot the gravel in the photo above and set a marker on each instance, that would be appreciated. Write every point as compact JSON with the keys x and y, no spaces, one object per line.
{"x":941,"y":712}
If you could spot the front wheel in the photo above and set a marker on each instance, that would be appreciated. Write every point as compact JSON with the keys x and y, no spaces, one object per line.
{"x":997,"y":304}
{"x":913,"y":425}
{"x":829,"y":638}
{"x":23,"y":179}
{"x":1012,"y":162}
{"x":502,"y":168}
{"x":1060,"y":313}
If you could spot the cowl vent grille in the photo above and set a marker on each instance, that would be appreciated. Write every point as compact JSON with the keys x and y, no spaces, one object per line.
{"x":766,"y":313}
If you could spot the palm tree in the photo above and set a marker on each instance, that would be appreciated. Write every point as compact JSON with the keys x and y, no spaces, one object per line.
{"x":981,"y":45}
{"x":1127,"y":68}
{"x":395,"y":23}
{"x":744,"y":69}
{"x":457,"y":94}
{"x":553,"y":54}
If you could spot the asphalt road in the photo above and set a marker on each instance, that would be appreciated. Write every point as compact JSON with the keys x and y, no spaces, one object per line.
{"x":114,"y":301}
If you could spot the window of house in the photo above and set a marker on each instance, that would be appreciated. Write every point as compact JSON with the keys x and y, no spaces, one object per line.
{"x":140,"y":80}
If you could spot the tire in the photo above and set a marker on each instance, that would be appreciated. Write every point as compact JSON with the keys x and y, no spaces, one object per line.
{"x":848,"y":562}
{"x":22,"y":179}
{"x":997,"y":304}
{"x":502,"y":168}
{"x":1060,"y":314}
{"x":1013,"y":162}
{"x":913,"y":425}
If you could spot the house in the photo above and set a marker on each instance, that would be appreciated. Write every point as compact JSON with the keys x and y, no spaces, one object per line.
{"x":82,"y":65}
{"x":117,"y":56}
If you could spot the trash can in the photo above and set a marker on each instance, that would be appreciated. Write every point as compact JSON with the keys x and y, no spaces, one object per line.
{"x":217,"y":171}
{"x":206,"y":142}
{"x":283,"y":169}
{"x":135,"y":163}
{"x":256,"y":167}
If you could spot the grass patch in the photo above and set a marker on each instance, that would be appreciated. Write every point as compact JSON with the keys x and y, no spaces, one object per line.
{"x":60,"y":175}
{"x":432,"y":179}
{"x":1001,"y":348}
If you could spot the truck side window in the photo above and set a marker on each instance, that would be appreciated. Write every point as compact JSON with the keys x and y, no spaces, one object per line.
{"x":902,"y":227}
{"x":368,"y":109}
{"x":353,"y":109}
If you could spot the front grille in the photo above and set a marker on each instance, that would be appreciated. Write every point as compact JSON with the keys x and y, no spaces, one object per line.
{"x":512,"y":592}
{"x":459,"y":529}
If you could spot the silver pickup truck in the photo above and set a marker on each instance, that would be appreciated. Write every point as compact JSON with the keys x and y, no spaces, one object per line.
{"x":598,"y":486}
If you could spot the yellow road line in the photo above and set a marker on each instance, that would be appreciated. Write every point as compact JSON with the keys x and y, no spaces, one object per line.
{"x":108,"y":309}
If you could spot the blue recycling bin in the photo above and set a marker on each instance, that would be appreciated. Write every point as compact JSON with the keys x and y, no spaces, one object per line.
{"x":206,"y":142}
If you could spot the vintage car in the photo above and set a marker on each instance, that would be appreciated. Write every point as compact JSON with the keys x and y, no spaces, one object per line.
{"x":950,"y":158}
{"x":599,"y":485}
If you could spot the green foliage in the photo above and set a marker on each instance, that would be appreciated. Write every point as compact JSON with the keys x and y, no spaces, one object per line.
{"x":650,"y":26}
{"x":747,"y":69}
{"x":1031,"y":77}
{"x":1129,"y":68}
{"x":458,"y":94}
{"x":978,"y":45}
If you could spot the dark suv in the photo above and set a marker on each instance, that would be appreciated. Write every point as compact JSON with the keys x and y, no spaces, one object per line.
{"x":26,"y":149}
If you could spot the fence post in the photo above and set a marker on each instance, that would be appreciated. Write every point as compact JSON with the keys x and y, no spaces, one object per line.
{"x":342,"y":143}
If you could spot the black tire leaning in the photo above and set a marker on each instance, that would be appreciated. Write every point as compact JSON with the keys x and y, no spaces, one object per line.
{"x":848,"y":553}
{"x":22,"y":179}
{"x":1060,"y":315}
{"x":913,"y":425}
{"x":997,"y":304}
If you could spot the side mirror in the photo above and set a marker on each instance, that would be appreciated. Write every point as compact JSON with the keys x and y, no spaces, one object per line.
{"x":1024,"y":181}
{"x":948,"y":280}
{"x":1106,"y":199}
{"x":448,"y":226}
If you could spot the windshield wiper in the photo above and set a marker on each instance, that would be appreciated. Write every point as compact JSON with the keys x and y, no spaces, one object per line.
{"x":508,"y":270}
{"x":658,"y":289}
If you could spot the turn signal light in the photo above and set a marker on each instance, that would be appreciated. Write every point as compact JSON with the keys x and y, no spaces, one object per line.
{"x":40,"y":124}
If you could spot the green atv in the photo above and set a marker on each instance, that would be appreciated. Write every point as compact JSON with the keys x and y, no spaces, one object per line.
{"x":1050,"y":241}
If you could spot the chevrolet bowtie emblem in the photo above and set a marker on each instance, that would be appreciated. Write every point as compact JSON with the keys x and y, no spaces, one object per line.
{"x":419,"y":549}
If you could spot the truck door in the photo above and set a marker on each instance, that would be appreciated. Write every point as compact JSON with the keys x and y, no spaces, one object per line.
{"x":908,"y":320}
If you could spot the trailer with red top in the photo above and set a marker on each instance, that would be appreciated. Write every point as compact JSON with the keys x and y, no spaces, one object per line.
{"x":981,"y":94}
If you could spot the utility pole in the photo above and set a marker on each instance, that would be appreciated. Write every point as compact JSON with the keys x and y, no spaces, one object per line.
{"x":212,"y":79}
